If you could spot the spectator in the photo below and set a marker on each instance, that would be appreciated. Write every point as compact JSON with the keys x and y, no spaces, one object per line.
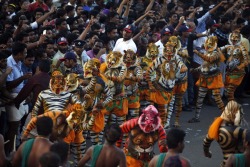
{"x":243,"y":159}
{"x":126,"y":42}
{"x":175,"y":142}
{"x":37,"y":83}
{"x":95,"y":52}
{"x":78,"y":50}
{"x":173,"y":20}
{"x":30,"y":151}
{"x":3,"y":159}
{"x":111,"y":34}
{"x":223,"y":31}
{"x":70,"y":62}
{"x":15,"y":84}
{"x":92,"y":37}
{"x":100,"y":154}
{"x":24,"y":4}
{"x":49,"y":49}
{"x":79,"y":10}
{"x":27,"y":65}
{"x":5,"y":95}
{"x":62,"y":149}
{"x":11,"y":10}
{"x":62,"y":44}
{"x":165,"y":34}
{"x":38,"y":12}
{"x":38,"y":4}
{"x":49,"y":159}
{"x":70,"y":10}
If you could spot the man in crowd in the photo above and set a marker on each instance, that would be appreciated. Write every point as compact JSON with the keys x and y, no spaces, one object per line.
{"x":243,"y":159}
{"x":100,"y":155}
{"x":126,"y":42}
{"x":165,"y":34}
{"x":30,"y":151}
{"x":5,"y":95}
{"x":70,"y":62}
{"x":175,"y":142}
{"x":62,"y":44}
{"x":15,"y":84}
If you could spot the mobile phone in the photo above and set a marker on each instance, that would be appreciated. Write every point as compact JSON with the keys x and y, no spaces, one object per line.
{"x":44,"y":32}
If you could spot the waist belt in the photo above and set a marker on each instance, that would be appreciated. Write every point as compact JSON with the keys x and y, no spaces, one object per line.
{"x":210,"y":73}
{"x":119,"y":96}
{"x":161,"y":88}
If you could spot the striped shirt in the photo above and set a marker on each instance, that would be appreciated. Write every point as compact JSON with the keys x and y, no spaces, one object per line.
{"x":53,"y":102}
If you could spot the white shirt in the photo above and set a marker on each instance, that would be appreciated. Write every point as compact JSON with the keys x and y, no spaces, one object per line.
{"x":198,"y":45}
{"x":122,"y":45}
{"x":34,"y":25}
{"x":59,"y":55}
{"x":161,"y":48}
{"x":85,"y":57}
{"x":15,"y":114}
{"x":201,"y":27}
{"x":15,"y":73}
{"x":71,"y":4}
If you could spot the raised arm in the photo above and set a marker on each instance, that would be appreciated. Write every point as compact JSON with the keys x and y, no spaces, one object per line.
{"x":46,"y":15}
{"x":150,"y":71}
{"x":128,"y":6}
{"x":121,"y":75}
{"x":4,"y":76}
{"x":86,"y":30}
{"x":119,"y":10}
{"x":232,"y":7}
{"x":213,"y":10}
{"x":211,"y":58}
{"x":108,"y":97}
{"x":162,"y":140}
{"x":137,"y":21}
{"x":150,"y":5}
{"x":14,"y":83}
{"x":90,"y":87}
{"x":245,"y":58}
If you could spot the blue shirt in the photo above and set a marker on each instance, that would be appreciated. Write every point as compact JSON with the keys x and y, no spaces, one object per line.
{"x":25,"y":70}
{"x":201,"y":26}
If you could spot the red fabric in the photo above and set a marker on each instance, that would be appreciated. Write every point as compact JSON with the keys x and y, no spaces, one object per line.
{"x":35,"y":5}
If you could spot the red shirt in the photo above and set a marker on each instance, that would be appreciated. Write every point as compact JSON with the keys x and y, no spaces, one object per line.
{"x":35,"y":5}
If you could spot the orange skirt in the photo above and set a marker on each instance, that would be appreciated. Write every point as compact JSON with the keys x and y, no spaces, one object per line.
{"x":145,"y":95}
{"x":117,"y":107}
{"x":133,"y":101}
{"x":132,"y":162}
{"x":74,"y":137}
{"x":99,"y":122}
{"x":180,"y":88}
{"x":161,"y":97}
{"x":213,"y":82}
{"x":234,"y":79}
